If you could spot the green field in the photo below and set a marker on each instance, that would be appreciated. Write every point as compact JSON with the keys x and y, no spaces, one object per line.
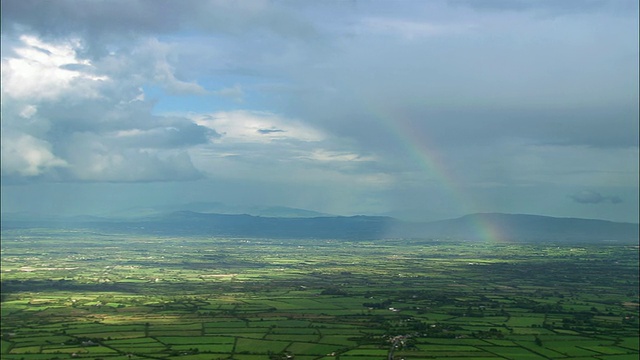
{"x":76,"y":294}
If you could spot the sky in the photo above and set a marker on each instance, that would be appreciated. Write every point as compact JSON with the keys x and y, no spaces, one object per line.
{"x":422,"y":110}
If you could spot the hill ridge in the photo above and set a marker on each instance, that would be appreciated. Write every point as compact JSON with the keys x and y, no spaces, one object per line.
{"x":470,"y":227}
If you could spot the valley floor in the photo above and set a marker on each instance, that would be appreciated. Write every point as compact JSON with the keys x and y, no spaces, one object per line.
{"x":77,"y":294}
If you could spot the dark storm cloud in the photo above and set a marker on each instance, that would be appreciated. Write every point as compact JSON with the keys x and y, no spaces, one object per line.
{"x":593,"y":197}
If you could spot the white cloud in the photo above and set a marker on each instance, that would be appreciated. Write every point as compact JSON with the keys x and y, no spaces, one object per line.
{"x":244,"y":126}
{"x":93,"y":158}
{"x":25,"y":155}
{"x":139,"y":97}
{"x":45,"y":71}
{"x":276,"y":149}
{"x":68,"y":118}
{"x":336,"y":156}
{"x":28,"y":111}
{"x":154,"y":57}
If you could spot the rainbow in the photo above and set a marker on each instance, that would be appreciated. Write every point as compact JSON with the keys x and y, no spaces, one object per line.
{"x":416,"y":146}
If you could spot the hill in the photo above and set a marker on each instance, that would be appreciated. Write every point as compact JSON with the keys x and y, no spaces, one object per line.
{"x":217,"y":208}
{"x":524,"y":228}
{"x":475,"y":227}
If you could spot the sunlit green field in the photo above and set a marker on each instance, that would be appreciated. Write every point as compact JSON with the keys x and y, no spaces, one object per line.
{"x":75,"y":294}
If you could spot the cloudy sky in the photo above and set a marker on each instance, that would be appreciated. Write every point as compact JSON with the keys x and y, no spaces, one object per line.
{"x":418,"y":109}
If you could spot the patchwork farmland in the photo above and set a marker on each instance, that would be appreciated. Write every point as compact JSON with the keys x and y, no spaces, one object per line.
{"x":78,"y":294}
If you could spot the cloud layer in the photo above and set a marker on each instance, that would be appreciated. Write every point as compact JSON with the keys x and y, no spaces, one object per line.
{"x":593,"y":197}
{"x":435,"y":108}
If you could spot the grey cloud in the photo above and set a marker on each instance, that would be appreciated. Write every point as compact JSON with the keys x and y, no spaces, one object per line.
{"x":615,"y":199}
{"x":172,"y":136}
{"x":468,"y":90}
{"x":139,"y":15}
{"x":75,"y":67}
{"x":483,"y":98}
{"x":593,"y":197}
{"x":90,"y":157}
{"x":596,"y":127}
{"x":270,"y":131}
{"x":153,"y":155}
{"x":102,"y":22}
{"x":125,"y":152}
{"x":236,"y":93}
{"x":108,"y":117}
{"x":153,"y":61}
{"x":454,"y":92}
{"x":450,"y":128}
{"x":550,"y":7}
{"x":26,"y":155}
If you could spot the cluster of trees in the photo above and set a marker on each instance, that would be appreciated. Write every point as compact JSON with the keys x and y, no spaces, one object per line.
{"x":378,"y":305}
{"x":334,"y":291}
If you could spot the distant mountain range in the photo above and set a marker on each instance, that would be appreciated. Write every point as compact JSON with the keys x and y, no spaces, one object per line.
{"x":527,"y":228}
{"x":476,"y":227}
{"x":218,"y":208}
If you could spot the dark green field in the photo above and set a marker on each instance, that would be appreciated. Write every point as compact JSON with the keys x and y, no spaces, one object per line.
{"x":68,"y":294}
